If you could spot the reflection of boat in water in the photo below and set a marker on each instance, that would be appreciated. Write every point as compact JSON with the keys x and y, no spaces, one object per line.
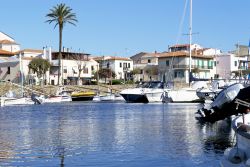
{"x":217,"y":137}
{"x":83,"y":96}
{"x":109,"y":96}
{"x":223,"y":106}
{"x":145,"y":92}
{"x":239,"y":156}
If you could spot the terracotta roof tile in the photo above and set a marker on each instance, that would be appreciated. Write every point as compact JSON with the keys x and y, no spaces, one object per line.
{"x":30,"y":50}
{"x":4,"y":52}
{"x":5,"y":41}
{"x":182,"y":54}
{"x":111,"y":58}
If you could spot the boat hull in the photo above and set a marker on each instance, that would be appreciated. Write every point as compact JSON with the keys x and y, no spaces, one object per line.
{"x":82,"y":98}
{"x":135,"y":98}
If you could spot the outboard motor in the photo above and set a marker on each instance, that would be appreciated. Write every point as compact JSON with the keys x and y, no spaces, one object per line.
{"x":36,"y":99}
{"x":222,"y":107}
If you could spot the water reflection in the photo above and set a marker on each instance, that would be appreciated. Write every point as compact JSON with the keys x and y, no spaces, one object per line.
{"x":217,"y":136}
{"x":108,"y":134}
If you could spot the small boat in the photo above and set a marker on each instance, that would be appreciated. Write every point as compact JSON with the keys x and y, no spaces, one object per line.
{"x":11,"y":101}
{"x":210,"y":93}
{"x":239,"y":155}
{"x":83,"y":96}
{"x":61,"y":95}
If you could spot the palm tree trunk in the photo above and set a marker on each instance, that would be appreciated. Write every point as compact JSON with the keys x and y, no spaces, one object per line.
{"x":60,"y":55}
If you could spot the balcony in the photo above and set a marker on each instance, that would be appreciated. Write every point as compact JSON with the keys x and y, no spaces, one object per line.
{"x":54,"y":62}
{"x":193,"y":66}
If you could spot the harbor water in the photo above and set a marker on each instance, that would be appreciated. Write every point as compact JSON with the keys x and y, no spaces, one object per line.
{"x":110,"y":135}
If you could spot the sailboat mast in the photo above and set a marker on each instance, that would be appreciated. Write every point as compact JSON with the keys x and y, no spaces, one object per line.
{"x":21,"y":72}
{"x":190,"y":40}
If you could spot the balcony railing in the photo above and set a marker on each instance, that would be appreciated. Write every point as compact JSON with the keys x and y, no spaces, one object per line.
{"x":193,"y":66}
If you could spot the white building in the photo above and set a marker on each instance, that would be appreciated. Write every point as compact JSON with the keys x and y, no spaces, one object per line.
{"x":121,"y":66}
{"x":226,"y":63}
{"x":70,"y":64}
{"x":7,"y":43}
{"x":145,"y":65}
{"x":10,"y":69}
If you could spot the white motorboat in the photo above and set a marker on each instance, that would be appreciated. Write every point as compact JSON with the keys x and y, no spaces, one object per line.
{"x":11,"y":101}
{"x":61,"y":96}
{"x":210,"y":93}
{"x":186,"y":95}
{"x":144,"y":93}
{"x":239,"y":155}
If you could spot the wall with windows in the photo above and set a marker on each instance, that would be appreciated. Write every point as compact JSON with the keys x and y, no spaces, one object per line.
{"x":71,"y":71}
{"x":226,"y":63}
{"x":122,"y":68}
{"x":9,"y":71}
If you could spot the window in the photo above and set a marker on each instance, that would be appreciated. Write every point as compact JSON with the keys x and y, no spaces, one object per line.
{"x":235,"y":63}
{"x":74,"y":70}
{"x":215,"y":63}
{"x":64,"y":69}
{"x":85,"y":70}
{"x":65,"y":82}
{"x":92,"y":68}
{"x":52,"y":82}
{"x":125,"y":65}
{"x":121,"y":65}
{"x":149,"y":61}
{"x":141,"y":71}
{"x":8,"y":70}
{"x":128,"y":65}
{"x":167,"y":63}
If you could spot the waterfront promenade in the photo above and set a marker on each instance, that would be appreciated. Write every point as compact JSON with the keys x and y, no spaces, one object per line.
{"x":51,"y":89}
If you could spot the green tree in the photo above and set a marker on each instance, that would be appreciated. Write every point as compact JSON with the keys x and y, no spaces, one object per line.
{"x":60,"y":15}
{"x":39,"y":66}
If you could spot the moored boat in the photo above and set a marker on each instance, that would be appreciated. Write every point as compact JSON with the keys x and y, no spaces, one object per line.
{"x":144,"y":93}
{"x":83,"y":96}
{"x":11,"y":101}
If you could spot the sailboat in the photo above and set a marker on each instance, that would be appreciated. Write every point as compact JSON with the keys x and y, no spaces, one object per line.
{"x":187,"y":94}
{"x":10,"y":99}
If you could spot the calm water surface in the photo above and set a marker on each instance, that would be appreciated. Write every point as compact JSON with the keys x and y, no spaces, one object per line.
{"x":110,"y":135}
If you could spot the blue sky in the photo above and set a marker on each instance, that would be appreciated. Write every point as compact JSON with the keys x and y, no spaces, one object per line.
{"x":126,"y":27}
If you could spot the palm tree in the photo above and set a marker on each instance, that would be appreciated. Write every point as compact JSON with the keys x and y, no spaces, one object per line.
{"x":60,"y":15}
